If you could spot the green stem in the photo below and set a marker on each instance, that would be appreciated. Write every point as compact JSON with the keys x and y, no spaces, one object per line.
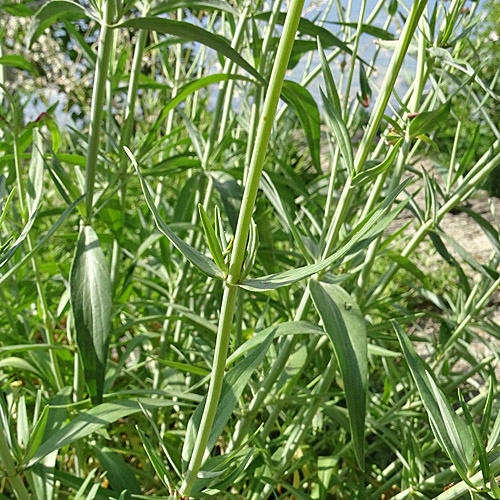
{"x":9,"y":467}
{"x":98,"y":98}
{"x":126,"y":136}
{"x":237,"y":257}
{"x":353,"y":57}
{"x":43,"y":307}
{"x":478,"y":173}
{"x":388,"y":84}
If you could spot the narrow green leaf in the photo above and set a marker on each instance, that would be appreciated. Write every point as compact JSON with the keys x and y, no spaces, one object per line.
{"x":118,"y":472}
{"x":18,"y":9}
{"x":90,"y":292}
{"x":478,"y":440}
{"x":485,"y":422}
{"x":156,"y":461}
{"x":234,"y":383}
{"x":40,"y":242}
{"x":34,"y":188}
{"x":304,"y":105}
{"x":52,"y":12}
{"x":344,"y":324}
{"x":212,"y":241}
{"x":159,"y":6}
{"x":73,"y":482}
{"x":371,"y":173}
{"x":13,"y":248}
{"x":203,"y":263}
{"x":428,"y":121}
{"x":331,"y":89}
{"x":194,"y":33}
{"x":366,"y":91}
{"x":451,"y":433}
{"x":340,"y":131}
{"x":367,"y":229}
{"x":18,"y":62}
{"x":36,"y":435}
{"x":92,"y":420}
{"x":369,"y":29}
{"x":412,"y":268}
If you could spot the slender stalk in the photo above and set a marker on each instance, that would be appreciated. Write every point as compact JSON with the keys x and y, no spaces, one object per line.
{"x":388,"y":84}
{"x":98,"y":99}
{"x":126,"y":136}
{"x":353,"y":58}
{"x":289,"y":342}
{"x":240,"y":242}
{"x":9,"y":467}
{"x":43,"y":304}
{"x":478,"y":173}
{"x":303,"y":425}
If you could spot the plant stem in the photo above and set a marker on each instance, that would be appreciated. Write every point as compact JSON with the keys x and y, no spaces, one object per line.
{"x":43,"y":305}
{"x":10,"y":469}
{"x":289,"y":342}
{"x":98,"y":98}
{"x":472,"y":180}
{"x":126,"y":136}
{"x":240,"y":242}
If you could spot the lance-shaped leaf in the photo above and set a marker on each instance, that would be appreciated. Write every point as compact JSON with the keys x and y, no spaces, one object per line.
{"x":90,"y":292}
{"x":91,"y":420}
{"x":367,"y":229}
{"x":371,"y":173}
{"x":450,"y":431}
{"x":345,"y":326}
{"x":18,"y":62}
{"x":429,"y":120}
{"x":188,"y":31}
{"x":331,"y":89}
{"x":307,"y":111}
{"x":203,"y":263}
{"x":212,"y":241}
{"x":50,"y":13}
{"x":340,"y":131}
{"x":35,"y":174}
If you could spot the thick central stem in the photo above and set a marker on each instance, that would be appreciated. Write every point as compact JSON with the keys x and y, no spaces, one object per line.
{"x":230,"y":292}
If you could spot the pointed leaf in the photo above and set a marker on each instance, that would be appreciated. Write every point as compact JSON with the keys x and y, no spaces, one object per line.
{"x":451,"y":433}
{"x":18,"y":62}
{"x":212,"y":241}
{"x":91,"y":420}
{"x":118,"y":472}
{"x":340,"y":131}
{"x":345,"y":326}
{"x":156,"y":461}
{"x":90,"y":292}
{"x":331,"y":89}
{"x":34,"y":187}
{"x":203,"y":263}
{"x":40,"y":242}
{"x":52,"y":12}
{"x":368,"y":229}
{"x":371,"y":173}
{"x":429,"y":120}
{"x":194,"y":33}
{"x":307,"y":111}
